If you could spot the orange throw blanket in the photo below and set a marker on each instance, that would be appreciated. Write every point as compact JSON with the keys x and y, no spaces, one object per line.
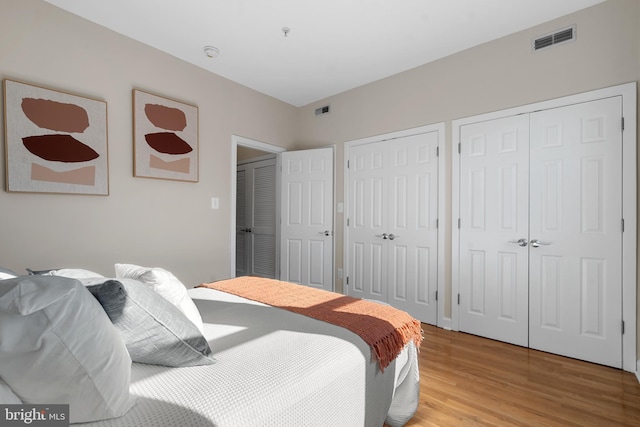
{"x":386,"y":329}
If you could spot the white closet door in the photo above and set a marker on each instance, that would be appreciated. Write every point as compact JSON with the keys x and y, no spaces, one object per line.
{"x":307,"y":218}
{"x":413,"y":235}
{"x":576,"y":212}
{"x":494,"y":204}
{"x":392,"y":223}
{"x":368,"y":194}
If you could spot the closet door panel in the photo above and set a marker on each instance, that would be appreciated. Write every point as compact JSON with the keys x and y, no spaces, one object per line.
{"x":413,"y":212}
{"x":368,"y":193}
{"x":576,"y":212}
{"x":494,"y":203}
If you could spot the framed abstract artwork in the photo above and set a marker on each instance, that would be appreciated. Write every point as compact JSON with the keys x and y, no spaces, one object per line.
{"x":55,"y":142}
{"x":165,"y":138}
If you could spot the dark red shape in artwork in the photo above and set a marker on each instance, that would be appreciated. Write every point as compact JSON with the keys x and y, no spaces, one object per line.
{"x":167,"y":143}
{"x":56,"y":116}
{"x":166,"y":117}
{"x":59,"y":148}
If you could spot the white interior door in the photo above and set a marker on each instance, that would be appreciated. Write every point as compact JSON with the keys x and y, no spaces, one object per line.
{"x":540,"y":230}
{"x":576,"y":214}
{"x":307,"y":218}
{"x":392,"y":223}
{"x":494,"y":204}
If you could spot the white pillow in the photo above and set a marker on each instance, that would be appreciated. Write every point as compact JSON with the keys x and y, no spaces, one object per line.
{"x":74,"y":273}
{"x":165,"y":284}
{"x":57,"y":345}
{"x":7,"y":396}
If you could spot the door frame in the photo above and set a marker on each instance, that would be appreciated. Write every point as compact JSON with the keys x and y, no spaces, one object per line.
{"x":236,"y":141}
{"x":443,"y":219}
{"x":629,"y":199}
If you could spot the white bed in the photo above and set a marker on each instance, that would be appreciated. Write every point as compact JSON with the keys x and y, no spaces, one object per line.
{"x":273,"y":368}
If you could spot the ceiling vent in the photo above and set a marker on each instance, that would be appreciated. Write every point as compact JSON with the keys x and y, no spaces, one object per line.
{"x":549,"y":40}
{"x":322,"y":110}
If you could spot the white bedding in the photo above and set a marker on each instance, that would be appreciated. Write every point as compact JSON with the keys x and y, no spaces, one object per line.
{"x":274,"y":368}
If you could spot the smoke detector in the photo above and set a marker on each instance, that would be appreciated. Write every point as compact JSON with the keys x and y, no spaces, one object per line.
{"x":211,"y":52}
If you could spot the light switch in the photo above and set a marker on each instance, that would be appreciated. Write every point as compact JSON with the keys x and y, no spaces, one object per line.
{"x":215,"y":203}
{"x":340,"y":207}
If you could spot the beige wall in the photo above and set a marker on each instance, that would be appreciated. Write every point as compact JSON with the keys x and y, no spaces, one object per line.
{"x":146,"y":221}
{"x":170,"y":224}
{"x":494,"y":76}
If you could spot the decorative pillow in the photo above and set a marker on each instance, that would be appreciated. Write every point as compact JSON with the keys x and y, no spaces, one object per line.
{"x":7,"y":396}
{"x":58,"y":346}
{"x":73,"y":273}
{"x":165,"y":284}
{"x":7,"y":273}
{"x":40,"y":272}
{"x":153,"y":329}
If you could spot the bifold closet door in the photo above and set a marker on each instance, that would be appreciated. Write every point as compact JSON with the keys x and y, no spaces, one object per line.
{"x":256,"y":219}
{"x":494,"y":229}
{"x":576,"y":214}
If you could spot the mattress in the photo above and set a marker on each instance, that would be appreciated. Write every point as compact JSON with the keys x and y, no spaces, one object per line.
{"x":273,"y":368}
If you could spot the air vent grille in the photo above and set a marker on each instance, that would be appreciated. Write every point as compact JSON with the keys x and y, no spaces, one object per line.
{"x":561,"y":36}
{"x":322,"y":110}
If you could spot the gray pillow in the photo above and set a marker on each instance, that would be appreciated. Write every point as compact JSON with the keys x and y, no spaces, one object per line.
{"x":153,"y":330}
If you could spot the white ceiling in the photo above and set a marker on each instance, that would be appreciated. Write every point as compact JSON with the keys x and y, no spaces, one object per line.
{"x":333,"y":45}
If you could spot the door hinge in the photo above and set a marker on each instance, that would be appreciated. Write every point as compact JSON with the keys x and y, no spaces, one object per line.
{"x":347,"y":280}
{"x":348,"y":164}
{"x":623,"y":327}
{"x":347,"y":222}
{"x":437,"y":223}
{"x":622,"y":123}
{"x":436,"y":295}
{"x":458,"y":299}
{"x":459,"y":147}
{"x":458,"y":223}
{"x":622,"y":222}
{"x":437,"y":151}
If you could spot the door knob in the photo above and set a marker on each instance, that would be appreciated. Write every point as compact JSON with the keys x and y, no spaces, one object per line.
{"x":325,"y":232}
{"x":537,"y":243}
{"x":383,"y":235}
{"x":393,"y":236}
{"x":246,"y":230}
{"x":520,"y":242}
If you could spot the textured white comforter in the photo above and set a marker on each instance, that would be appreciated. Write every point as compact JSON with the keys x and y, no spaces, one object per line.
{"x":274,"y":368}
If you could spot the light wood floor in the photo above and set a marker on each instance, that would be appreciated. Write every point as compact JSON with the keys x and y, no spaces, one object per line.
{"x":467,"y":380}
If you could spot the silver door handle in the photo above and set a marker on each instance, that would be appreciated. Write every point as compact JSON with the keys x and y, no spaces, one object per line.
{"x":393,"y":236}
{"x":325,"y":233}
{"x":537,"y":243}
{"x":383,"y":235}
{"x":520,"y":242}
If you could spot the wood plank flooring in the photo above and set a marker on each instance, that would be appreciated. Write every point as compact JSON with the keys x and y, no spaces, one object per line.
{"x":467,"y":380}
